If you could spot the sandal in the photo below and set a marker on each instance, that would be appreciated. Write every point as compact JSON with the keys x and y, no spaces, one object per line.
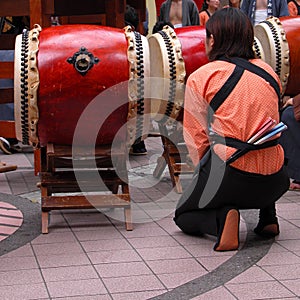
{"x":267,"y":230}
{"x":268,"y":222}
{"x":294,"y":186}
{"x":5,"y":146}
{"x":228,"y":239}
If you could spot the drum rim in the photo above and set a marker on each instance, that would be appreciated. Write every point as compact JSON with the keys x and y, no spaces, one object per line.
{"x":28,"y":82}
{"x":273,"y":28}
{"x":176,"y":72}
{"x":138,"y":86}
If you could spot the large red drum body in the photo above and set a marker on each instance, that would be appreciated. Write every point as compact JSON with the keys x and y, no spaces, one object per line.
{"x":192,"y":41}
{"x":76,"y":66}
{"x":292,"y":30}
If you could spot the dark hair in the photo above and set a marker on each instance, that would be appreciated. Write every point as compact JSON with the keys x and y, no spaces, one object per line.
{"x":159,"y":25}
{"x":238,"y":5}
{"x":204,"y":6}
{"x":131,"y":16}
{"x":233,"y":34}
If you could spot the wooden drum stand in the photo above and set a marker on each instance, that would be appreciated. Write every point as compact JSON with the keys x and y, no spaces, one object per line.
{"x":58,"y":176}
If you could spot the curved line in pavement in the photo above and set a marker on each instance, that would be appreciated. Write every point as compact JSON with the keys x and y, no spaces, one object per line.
{"x":254,"y":249}
{"x":30,"y":228}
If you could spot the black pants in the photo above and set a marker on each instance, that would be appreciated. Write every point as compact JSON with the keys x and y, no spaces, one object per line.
{"x":290,"y":141}
{"x":216,"y":187}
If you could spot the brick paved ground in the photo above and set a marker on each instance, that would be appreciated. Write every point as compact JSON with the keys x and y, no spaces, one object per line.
{"x":88,"y":255}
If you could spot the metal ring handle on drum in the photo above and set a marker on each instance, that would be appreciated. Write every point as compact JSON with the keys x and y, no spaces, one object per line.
{"x":83,"y":61}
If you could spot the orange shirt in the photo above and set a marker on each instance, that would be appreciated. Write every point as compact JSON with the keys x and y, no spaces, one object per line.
{"x":250,"y":103}
{"x":203,"y":16}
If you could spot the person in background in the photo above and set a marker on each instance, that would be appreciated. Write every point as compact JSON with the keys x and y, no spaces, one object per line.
{"x":146,"y":23}
{"x":260,"y":10}
{"x":208,"y":9}
{"x":218,"y":119}
{"x":233,"y":3}
{"x":294,"y":7}
{"x":290,"y":140}
{"x":179,"y":12}
{"x":159,"y":25}
{"x":131,"y":17}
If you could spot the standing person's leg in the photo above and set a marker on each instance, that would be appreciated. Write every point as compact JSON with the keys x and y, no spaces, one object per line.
{"x":290,"y":141}
{"x":138,"y":149}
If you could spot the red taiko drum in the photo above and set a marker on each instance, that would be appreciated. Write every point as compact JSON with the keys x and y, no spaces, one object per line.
{"x":277,"y":42}
{"x":61,"y":70}
{"x":174,"y":55}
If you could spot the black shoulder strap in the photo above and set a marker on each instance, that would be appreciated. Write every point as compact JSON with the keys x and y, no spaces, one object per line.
{"x":241,"y":65}
{"x":224,"y":92}
{"x":256,"y":70}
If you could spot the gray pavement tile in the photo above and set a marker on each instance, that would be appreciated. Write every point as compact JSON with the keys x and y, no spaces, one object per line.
{"x":89,"y":255}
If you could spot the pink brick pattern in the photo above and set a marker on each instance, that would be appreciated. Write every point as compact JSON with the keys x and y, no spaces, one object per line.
{"x":89,"y":256}
{"x":10,"y":220}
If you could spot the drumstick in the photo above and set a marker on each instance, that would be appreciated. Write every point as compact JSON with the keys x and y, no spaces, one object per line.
{"x":277,"y":129}
{"x":263,"y":129}
{"x":269,"y":124}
